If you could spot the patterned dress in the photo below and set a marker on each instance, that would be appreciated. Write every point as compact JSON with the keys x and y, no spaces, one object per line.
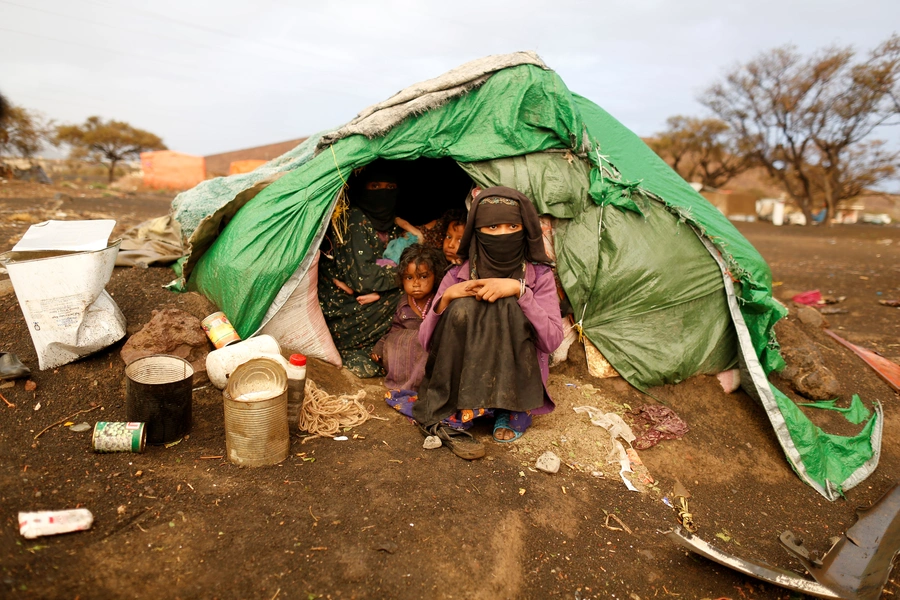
{"x":356,"y":327}
{"x":402,"y":354}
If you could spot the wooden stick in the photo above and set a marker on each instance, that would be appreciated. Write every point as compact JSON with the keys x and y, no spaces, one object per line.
{"x":61,"y":421}
{"x":8,"y":403}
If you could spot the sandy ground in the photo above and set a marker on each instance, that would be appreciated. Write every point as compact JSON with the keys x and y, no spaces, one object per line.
{"x":377,"y":516}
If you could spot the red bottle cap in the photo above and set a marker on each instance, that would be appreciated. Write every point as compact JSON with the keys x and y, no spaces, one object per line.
{"x":298,"y":360}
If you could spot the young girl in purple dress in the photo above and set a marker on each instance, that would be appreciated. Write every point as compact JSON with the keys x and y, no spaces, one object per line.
{"x":403,"y":357}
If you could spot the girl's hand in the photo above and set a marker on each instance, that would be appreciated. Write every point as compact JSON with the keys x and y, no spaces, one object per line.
{"x":491,"y":290}
{"x":342,"y":286}
{"x":368,"y":298}
{"x":457,"y":290}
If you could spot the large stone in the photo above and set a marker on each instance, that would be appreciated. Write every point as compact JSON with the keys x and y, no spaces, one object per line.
{"x":806,"y":370}
{"x":171,"y":331}
{"x":548,"y":462}
{"x":810,"y":316}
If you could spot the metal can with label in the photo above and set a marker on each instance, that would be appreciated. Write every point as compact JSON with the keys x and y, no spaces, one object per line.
{"x":118,"y":437}
{"x":219,"y":330}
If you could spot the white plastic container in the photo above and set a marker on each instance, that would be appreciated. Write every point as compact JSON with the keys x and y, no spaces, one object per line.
{"x":52,"y":522}
{"x":778,"y":214}
{"x":296,"y":374}
{"x":221,"y":363}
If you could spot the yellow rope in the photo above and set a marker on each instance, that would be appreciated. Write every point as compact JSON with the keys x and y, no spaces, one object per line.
{"x":324,"y":415}
{"x":339,"y":218}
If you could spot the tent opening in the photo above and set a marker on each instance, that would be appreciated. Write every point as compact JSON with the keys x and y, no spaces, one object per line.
{"x":428,"y":187}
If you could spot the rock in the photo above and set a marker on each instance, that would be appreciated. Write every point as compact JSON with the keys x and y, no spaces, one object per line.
{"x":79,"y":427}
{"x":30,"y":386}
{"x":806,"y":370}
{"x":547,"y":462}
{"x":432,"y":442}
{"x":810,"y":316}
{"x":175,"y":332}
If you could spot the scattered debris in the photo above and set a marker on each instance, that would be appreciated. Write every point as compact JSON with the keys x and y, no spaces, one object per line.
{"x":548,"y":462}
{"x":760,"y":570}
{"x":52,"y":522}
{"x":832,"y":310}
{"x":808,"y":298}
{"x":683,"y":514}
{"x":54,"y":262}
{"x":891,"y":303}
{"x":432,"y":442}
{"x":859,"y":564}
{"x":658,"y":423}
{"x":11,"y":367}
{"x":887,"y":370}
{"x":730,"y":380}
{"x":61,"y":421}
{"x":80,"y":427}
{"x":623,"y":526}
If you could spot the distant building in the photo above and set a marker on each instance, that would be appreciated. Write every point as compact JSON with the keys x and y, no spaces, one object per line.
{"x":170,"y":170}
{"x":218,"y":165}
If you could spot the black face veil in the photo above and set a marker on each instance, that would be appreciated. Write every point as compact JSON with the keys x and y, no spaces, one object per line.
{"x":502,"y":255}
{"x":377,"y":196}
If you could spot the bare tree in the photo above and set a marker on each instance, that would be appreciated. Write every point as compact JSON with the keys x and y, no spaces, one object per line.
{"x":704,"y":149}
{"x":22,"y":132}
{"x":809,"y":121}
{"x":107,"y":142}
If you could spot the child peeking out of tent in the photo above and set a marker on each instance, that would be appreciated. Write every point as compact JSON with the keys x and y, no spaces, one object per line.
{"x":421,"y":267}
{"x":490,"y":329}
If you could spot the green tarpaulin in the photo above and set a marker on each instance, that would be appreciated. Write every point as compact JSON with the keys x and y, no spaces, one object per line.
{"x":660,"y":281}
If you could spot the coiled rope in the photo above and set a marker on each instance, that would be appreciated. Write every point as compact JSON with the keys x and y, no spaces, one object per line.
{"x":324,"y":415}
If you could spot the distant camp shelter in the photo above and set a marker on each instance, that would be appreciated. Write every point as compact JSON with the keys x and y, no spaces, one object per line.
{"x":659,"y":280}
{"x":165,"y":169}
{"x":244,"y":161}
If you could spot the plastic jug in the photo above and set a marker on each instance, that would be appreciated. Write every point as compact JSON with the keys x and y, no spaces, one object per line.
{"x":221,"y":363}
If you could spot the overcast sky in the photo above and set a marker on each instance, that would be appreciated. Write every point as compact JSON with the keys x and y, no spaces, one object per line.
{"x":210,"y":76}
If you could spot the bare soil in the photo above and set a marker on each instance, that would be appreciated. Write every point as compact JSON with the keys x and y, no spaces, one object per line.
{"x":377,"y":516}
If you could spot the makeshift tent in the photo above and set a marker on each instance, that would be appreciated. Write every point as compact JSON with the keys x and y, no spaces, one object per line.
{"x":659,"y":280}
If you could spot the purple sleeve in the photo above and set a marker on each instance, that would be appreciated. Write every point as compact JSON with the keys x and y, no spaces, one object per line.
{"x":426,"y":330}
{"x":540,"y":304}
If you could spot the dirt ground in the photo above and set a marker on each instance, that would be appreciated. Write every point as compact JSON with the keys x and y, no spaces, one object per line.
{"x":377,"y":516}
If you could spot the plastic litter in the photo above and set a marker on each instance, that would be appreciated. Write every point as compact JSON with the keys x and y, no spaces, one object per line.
{"x":52,"y":522}
{"x":11,"y":367}
{"x":62,"y":297}
{"x":808,"y":298}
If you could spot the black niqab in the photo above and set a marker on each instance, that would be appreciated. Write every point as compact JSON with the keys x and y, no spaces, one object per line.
{"x":502,"y":255}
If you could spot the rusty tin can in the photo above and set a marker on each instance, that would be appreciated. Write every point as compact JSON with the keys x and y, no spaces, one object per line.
{"x":219,"y":330}
{"x":118,"y":437}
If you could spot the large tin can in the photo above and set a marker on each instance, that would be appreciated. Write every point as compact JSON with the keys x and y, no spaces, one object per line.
{"x":219,"y":330}
{"x":158,"y":392}
{"x":118,"y":437}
